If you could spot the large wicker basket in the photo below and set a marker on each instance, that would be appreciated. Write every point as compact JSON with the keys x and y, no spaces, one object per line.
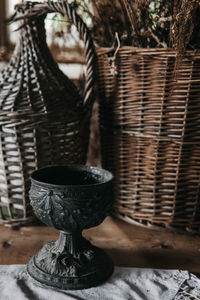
{"x":150,"y":134}
{"x":44,"y":118}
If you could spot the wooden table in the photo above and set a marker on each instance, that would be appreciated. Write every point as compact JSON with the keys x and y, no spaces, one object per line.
{"x":128,"y":245}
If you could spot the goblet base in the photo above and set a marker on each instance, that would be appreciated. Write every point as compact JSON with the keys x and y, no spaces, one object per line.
{"x":61,"y":265}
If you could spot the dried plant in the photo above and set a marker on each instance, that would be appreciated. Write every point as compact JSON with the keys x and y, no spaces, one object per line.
{"x":108,"y":19}
{"x":186,"y":25}
{"x":148,"y":23}
{"x":140,"y":23}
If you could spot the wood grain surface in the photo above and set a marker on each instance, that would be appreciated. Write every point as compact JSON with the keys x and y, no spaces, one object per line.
{"x":128,"y":245}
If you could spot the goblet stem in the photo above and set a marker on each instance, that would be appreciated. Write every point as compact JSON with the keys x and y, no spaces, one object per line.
{"x":71,"y":242}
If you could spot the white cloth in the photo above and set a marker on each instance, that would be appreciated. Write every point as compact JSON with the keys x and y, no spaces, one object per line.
{"x":124,"y":284}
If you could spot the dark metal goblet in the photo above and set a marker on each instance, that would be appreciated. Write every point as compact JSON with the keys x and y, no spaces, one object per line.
{"x":71,"y":198}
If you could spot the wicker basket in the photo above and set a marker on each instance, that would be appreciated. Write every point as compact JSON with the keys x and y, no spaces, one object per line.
{"x":150,"y":128}
{"x":44,"y":119}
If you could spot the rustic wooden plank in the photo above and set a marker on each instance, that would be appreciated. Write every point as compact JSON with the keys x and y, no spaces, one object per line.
{"x":128,"y":245}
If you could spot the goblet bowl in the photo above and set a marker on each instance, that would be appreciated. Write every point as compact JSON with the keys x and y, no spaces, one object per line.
{"x":71,"y":198}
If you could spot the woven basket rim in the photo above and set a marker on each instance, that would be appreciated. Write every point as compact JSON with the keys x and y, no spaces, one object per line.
{"x":169,"y":51}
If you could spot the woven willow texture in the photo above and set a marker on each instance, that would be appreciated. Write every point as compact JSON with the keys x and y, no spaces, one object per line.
{"x":44,"y":119}
{"x":150,"y":134}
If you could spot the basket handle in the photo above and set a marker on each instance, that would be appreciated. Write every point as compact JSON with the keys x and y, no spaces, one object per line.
{"x":41,"y":9}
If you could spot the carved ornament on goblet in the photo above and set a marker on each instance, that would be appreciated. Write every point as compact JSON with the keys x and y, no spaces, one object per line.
{"x":71,"y":198}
